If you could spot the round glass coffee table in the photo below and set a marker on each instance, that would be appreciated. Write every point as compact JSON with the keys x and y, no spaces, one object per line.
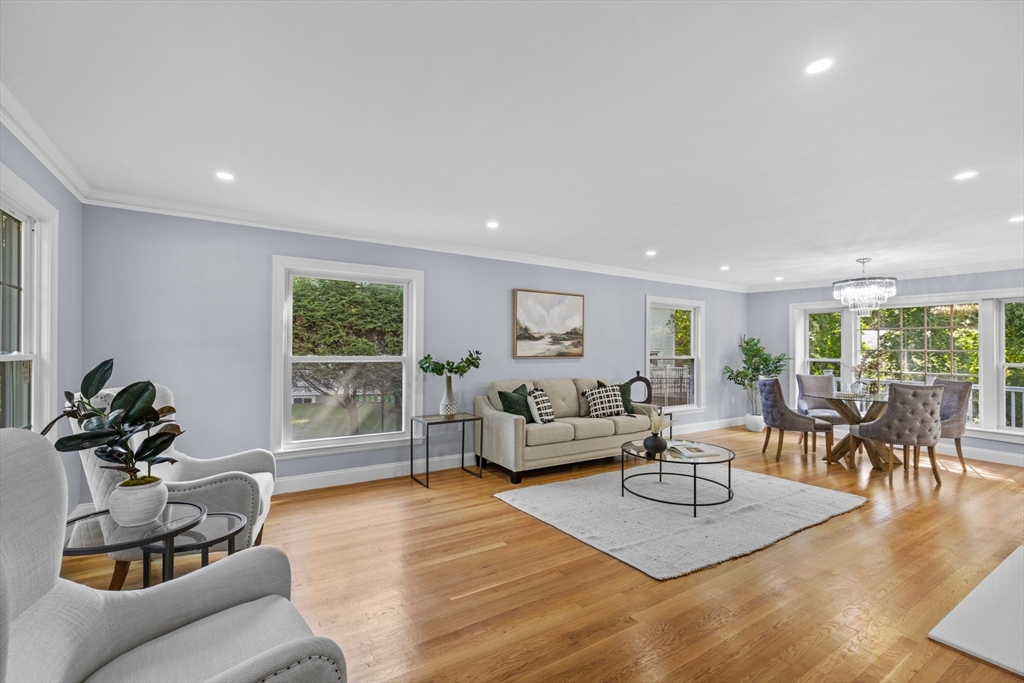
{"x":98,"y":534}
{"x":217,"y":527}
{"x":691,"y":453}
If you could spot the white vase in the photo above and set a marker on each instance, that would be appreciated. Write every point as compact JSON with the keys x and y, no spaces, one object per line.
{"x":448,"y":405}
{"x":137,"y":505}
{"x":755,"y":423}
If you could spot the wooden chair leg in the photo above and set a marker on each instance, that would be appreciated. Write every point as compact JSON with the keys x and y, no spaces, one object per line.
{"x":917,"y":456}
{"x":960,"y":453}
{"x":778,"y":452}
{"x":259,"y":536}
{"x":828,"y":447}
{"x":119,"y":575}
{"x":892,"y":457}
{"x":935,"y":465}
{"x":814,"y":442}
{"x":803,"y":435}
{"x":805,"y":442}
{"x":767,"y":435}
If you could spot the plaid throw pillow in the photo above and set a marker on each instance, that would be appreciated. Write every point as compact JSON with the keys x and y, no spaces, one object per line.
{"x":540,"y":406}
{"x":605,"y":401}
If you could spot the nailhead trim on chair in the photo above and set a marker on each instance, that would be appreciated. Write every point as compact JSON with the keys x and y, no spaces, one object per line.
{"x":305,"y":659}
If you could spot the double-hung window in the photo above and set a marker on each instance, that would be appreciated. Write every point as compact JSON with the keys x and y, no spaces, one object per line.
{"x":346,"y":340}
{"x":1011,"y":369}
{"x":675,"y":342}
{"x":825,"y":343}
{"x":28,"y":310}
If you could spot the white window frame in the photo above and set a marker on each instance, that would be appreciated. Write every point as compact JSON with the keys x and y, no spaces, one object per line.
{"x":990,"y":348}
{"x":998,"y":400}
{"x":696,"y":346}
{"x":284,"y":269}
{"x":39,"y":226}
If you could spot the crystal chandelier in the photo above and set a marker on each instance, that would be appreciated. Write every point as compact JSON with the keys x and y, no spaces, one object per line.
{"x":864,"y":294}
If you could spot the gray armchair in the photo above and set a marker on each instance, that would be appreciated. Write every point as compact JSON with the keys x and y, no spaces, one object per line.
{"x":817,"y":408}
{"x":956,"y":399}
{"x":242,"y":482}
{"x":777,"y":415}
{"x":911,"y":418}
{"x":231,"y":622}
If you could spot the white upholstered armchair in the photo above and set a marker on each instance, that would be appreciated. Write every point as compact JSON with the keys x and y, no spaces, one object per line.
{"x":231,"y":622}
{"x":242,"y":482}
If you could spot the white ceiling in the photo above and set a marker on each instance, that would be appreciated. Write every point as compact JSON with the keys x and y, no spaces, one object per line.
{"x":591,"y":131}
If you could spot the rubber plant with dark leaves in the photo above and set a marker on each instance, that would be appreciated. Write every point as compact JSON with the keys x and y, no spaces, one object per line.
{"x":109,"y":430}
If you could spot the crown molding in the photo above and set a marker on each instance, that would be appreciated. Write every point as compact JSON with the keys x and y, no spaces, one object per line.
{"x":14,"y":117}
{"x":990,"y":267}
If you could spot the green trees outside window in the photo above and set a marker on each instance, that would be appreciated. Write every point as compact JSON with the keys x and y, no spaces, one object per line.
{"x":825,"y":342}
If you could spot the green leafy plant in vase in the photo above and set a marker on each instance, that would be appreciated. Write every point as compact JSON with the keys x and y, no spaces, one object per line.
{"x":757,"y":363}
{"x":446,"y":369}
{"x":109,"y":431}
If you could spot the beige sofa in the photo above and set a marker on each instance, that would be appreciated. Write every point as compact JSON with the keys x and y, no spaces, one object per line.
{"x":507,"y":439}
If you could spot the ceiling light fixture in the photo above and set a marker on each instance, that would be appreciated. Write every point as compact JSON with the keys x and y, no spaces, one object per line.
{"x":864,"y":294}
{"x":778,"y":278}
{"x":1017,"y":219}
{"x":819,"y":66}
{"x":966,"y":175}
{"x":224,"y":175}
{"x":651,"y":252}
{"x":492,"y":224}
{"x":725,"y":268}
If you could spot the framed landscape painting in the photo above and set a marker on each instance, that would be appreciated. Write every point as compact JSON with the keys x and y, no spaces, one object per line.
{"x":547,"y":324}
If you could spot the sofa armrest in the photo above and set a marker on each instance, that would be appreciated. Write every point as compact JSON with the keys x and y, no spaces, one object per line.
{"x":306,"y":660}
{"x":502,"y":435}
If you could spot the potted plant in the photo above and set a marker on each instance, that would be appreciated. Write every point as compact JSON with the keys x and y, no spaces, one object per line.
{"x":446,"y":369}
{"x":654,"y":444}
{"x":108,"y":430}
{"x":757,"y":363}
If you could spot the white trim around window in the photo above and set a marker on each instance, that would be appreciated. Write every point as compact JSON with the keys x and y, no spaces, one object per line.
{"x":284,"y":269}
{"x":40,"y":230}
{"x":990,"y":352}
{"x":697,"y":348}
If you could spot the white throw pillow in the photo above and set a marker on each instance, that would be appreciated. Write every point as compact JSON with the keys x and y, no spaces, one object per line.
{"x":605,"y":401}
{"x":540,"y":406}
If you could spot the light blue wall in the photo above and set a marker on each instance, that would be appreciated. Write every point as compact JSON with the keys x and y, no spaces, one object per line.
{"x":187,"y":303}
{"x":768,"y":314}
{"x":69,"y":287}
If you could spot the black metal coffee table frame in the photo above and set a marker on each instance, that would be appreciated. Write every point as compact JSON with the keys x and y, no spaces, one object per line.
{"x":203,"y":546}
{"x":724,"y":459}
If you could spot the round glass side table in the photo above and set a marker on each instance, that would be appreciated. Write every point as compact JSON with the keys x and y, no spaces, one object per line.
{"x":216,"y":528}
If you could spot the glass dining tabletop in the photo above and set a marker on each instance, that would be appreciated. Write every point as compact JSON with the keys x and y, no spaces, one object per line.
{"x":862,"y":396}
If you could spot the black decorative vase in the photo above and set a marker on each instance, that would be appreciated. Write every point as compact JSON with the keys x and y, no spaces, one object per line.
{"x":655,"y":445}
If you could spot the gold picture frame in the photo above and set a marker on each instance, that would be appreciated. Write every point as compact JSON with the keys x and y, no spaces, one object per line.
{"x":547,"y":324}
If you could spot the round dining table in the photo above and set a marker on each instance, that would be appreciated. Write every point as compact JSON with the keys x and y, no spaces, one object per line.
{"x":856,"y":407}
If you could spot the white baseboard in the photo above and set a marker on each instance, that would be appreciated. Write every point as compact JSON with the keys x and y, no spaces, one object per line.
{"x":691,"y":427}
{"x":355,"y":475}
{"x":947,"y":447}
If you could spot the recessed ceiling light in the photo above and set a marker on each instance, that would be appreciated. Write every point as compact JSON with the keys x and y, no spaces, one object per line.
{"x":651,"y":252}
{"x":725,"y":267}
{"x":492,"y":224}
{"x":966,"y":175}
{"x":224,"y":175}
{"x":819,"y":66}
{"x":1017,"y":219}
{"x":778,"y":278}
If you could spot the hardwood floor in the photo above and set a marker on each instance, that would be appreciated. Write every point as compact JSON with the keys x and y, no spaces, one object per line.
{"x":451,"y":584}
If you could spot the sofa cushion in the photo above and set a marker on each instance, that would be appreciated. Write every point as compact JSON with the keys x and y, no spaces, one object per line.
{"x":588,"y":427}
{"x":552,"y":432}
{"x":605,"y":401}
{"x":628,"y":424}
{"x":515,"y":403}
{"x":504,"y":385}
{"x":540,"y":406}
{"x":562,"y":393}
{"x":626,"y":391}
{"x":583,"y":384}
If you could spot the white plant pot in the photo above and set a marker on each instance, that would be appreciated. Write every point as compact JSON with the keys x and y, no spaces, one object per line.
{"x":755,"y":423}
{"x":448,"y":405}
{"x":137,"y":505}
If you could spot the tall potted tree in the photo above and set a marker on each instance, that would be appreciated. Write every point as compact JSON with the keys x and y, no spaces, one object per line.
{"x":757,"y":363}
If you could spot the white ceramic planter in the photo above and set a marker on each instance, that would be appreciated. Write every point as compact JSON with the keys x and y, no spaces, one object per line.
{"x":137,"y":505}
{"x":448,"y":406}
{"x":755,"y":423}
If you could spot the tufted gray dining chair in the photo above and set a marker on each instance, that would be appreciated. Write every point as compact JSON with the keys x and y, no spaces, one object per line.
{"x":817,"y":408}
{"x":777,"y":415}
{"x":230,"y":622}
{"x":911,"y":418}
{"x":956,"y":399}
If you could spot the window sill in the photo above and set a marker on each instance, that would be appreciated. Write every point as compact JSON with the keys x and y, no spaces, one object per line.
{"x":295,"y":452}
{"x":682,"y":410}
{"x":1004,"y":435}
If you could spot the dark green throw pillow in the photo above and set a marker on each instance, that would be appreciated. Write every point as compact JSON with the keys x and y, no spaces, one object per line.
{"x":515,"y":402}
{"x":627,"y":400}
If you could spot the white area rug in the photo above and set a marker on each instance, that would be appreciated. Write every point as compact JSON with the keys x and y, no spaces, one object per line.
{"x":989,"y":622}
{"x":666,"y":541}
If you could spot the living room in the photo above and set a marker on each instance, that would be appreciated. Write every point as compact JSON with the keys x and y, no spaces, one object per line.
{"x":179,"y":167}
